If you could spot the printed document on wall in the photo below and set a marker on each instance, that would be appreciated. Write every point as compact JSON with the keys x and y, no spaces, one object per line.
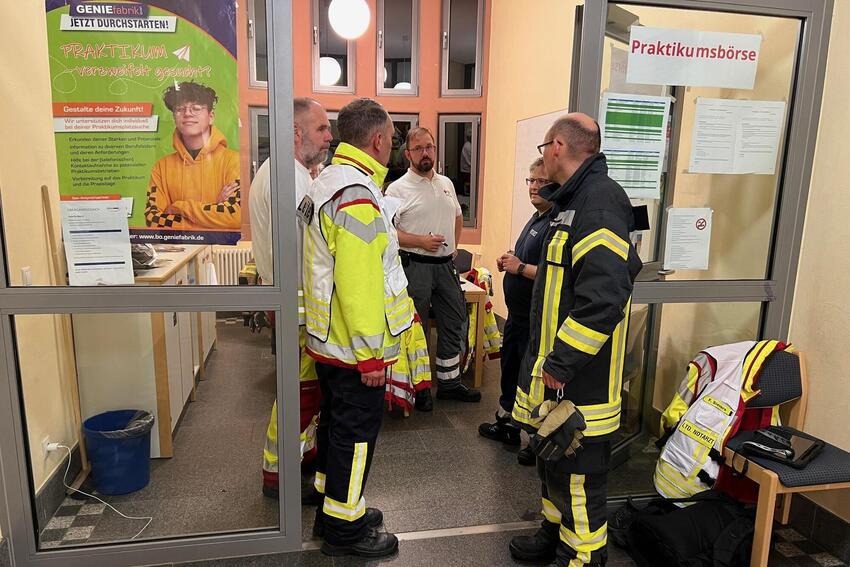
{"x":634,"y":135}
{"x":97,"y":240}
{"x":736,"y":136}
{"x":688,"y":238}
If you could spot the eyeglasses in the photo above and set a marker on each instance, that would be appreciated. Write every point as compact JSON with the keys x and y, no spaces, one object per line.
{"x":420,"y":149}
{"x":193,"y":109}
{"x":536,"y":181}
{"x":543,"y":145}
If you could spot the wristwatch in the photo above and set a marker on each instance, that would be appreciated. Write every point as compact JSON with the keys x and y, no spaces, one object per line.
{"x":520,"y":269}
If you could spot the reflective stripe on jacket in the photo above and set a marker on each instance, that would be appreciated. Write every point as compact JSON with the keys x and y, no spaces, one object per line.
{"x":704,"y":412}
{"x":581,"y":300}
{"x":492,"y":337}
{"x":412,"y":371}
{"x":355,"y":292}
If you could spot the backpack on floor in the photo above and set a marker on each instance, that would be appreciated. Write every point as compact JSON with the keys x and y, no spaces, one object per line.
{"x":712,"y":531}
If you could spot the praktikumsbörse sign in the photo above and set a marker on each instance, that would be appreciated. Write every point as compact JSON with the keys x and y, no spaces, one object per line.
{"x":659,"y":56}
{"x":145,"y":106}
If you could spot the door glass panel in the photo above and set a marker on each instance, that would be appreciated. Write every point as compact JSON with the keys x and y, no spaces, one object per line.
{"x":458,"y":149}
{"x":333,"y":52}
{"x":743,"y":205}
{"x":263,"y":139}
{"x":662,"y":340}
{"x":260,"y":43}
{"x":398,"y":44}
{"x":208,"y":383}
{"x":463,"y":44}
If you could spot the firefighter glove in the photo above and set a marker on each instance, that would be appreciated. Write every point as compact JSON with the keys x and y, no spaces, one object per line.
{"x":560,"y":434}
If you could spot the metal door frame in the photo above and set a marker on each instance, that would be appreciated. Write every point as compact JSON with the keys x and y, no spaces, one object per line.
{"x":777,"y":290}
{"x":16,"y":507}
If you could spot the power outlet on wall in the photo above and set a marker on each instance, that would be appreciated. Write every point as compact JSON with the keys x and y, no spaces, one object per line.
{"x":44,"y":443}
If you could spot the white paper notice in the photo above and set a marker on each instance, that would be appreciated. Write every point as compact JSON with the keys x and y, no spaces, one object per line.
{"x":687,"y":240}
{"x":736,"y":136}
{"x":634,"y":134}
{"x":97,"y":240}
{"x":660,"y":56}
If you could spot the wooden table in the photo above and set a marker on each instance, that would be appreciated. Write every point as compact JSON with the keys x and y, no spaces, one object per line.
{"x":474,"y":294}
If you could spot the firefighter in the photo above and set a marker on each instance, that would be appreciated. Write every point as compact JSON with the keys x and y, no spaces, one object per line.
{"x":356,"y":307}
{"x":579,"y":314}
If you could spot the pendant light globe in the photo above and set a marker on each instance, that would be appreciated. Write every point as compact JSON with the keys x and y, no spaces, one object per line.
{"x":349,"y":18}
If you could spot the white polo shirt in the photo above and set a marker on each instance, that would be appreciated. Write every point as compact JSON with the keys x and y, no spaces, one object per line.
{"x":428,"y":205}
{"x":261,"y":210}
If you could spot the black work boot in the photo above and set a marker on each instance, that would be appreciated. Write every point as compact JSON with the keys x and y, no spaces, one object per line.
{"x":526,"y":456}
{"x":539,"y":547}
{"x":501,"y":430}
{"x":424,"y":401}
{"x":458,"y":392}
{"x":373,"y":544}
{"x":374,"y":519}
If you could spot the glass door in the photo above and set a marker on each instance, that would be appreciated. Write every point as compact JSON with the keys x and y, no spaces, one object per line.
{"x":754,"y":214}
{"x":138,"y":366}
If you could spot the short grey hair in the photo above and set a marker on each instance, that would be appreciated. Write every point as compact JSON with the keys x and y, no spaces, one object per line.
{"x":580,"y":139}
{"x":536,"y":163}
{"x":300,"y":106}
{"x":358,"y":120}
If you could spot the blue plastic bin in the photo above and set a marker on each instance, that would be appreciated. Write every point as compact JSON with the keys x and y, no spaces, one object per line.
{"x":119,"y":449}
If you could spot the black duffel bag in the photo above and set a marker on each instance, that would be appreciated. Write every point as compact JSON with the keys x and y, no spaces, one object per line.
{"x":712,"y":531}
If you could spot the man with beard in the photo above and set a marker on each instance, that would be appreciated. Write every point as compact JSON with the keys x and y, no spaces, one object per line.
{"x":312,"y":137}
{"x":429,"y":222}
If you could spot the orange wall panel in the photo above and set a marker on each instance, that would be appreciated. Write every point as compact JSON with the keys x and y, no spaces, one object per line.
{"x":428,"y":104}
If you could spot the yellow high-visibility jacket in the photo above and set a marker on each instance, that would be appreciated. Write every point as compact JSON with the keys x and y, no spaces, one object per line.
{"x":355,"y":292}
{"x":492,"y":337}
{"x":412,"y":371}
{"x":705,"y":412}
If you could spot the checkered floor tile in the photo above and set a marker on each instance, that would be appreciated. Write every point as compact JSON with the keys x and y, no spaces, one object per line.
{"x":793,"y":549}
{"x":72,"y":524}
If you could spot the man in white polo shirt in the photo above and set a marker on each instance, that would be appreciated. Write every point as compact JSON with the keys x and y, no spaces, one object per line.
{"x":312,"y":138}
{"x":429,"y":222}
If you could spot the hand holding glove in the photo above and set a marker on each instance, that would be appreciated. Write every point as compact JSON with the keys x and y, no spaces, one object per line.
{"x":560,"y":434}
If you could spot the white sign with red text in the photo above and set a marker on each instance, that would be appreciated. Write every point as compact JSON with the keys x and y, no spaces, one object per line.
{"x":661,"y":56}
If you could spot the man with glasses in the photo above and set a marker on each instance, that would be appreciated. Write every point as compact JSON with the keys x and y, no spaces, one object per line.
{"x":429,"y":222}
{"x":520,"y":267}
{"x":579,"y":318}
{"x":197,"y":186}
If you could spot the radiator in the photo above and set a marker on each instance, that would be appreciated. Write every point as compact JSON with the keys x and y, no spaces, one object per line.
{"x":228,"y":261}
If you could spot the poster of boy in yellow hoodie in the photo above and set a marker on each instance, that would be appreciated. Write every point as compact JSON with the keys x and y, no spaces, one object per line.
{"x":197,"y":186}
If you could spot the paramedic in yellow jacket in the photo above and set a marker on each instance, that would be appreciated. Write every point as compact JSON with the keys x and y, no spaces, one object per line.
{"x":196,"y":187}
{"x":356,"y":308}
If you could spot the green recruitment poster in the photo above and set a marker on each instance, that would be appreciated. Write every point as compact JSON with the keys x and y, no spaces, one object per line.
{"x":145,"y":106}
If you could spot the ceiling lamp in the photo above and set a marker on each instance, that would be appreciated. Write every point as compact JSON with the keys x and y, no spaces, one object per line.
{"x":329,"y":71}
{"x":349,"y":18}
{"x":403,"y":86}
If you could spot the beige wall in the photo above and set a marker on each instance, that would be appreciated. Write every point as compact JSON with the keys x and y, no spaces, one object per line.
{"x":529,"y":75}
{"x":27,"y":162}
{"x":820,"y":323}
